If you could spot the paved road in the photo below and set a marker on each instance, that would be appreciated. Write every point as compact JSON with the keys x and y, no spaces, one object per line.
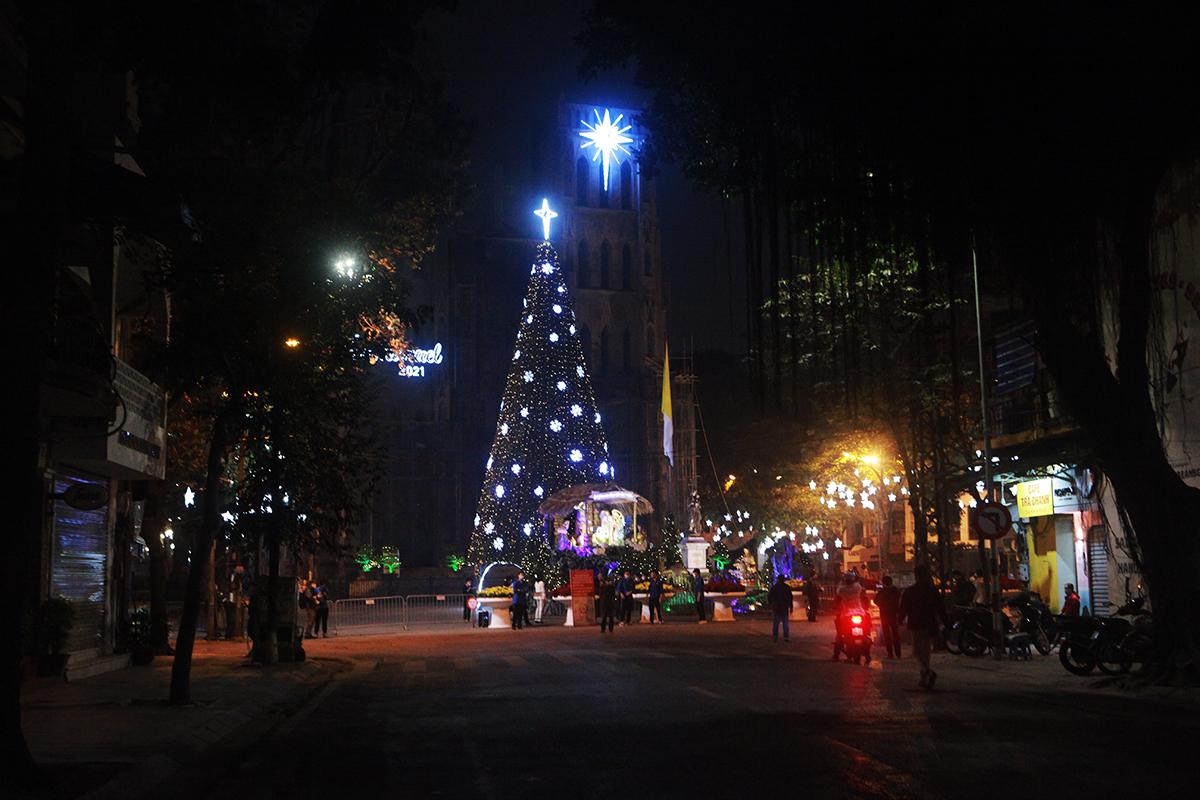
{"x":698,"y":711}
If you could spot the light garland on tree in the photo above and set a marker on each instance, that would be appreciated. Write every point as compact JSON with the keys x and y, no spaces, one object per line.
{"x":549,"y":435}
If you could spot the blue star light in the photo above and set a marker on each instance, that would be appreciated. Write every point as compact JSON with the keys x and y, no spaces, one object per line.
{"x":546,"y":214}
{"x":608,"y":138}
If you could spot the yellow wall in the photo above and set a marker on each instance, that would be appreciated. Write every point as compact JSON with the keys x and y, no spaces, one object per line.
{"x":1043,"y":560}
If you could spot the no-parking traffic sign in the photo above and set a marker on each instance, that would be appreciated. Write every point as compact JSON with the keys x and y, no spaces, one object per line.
{"x":992,"y":520}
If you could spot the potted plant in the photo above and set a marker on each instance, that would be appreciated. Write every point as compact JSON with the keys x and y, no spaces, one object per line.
{"x":141,"y":645}
{"x":49,"y":633}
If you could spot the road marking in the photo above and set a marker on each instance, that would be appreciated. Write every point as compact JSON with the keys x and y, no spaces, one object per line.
{"x":706,"y":693}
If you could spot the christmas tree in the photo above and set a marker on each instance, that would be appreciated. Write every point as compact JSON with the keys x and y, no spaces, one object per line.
{"x":549,"y":434}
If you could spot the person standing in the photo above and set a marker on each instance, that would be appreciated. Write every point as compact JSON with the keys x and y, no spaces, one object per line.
{"x":625,"y":598}
{"x":539,"y":597}
{"x":321,"y":623}
{"x":468,"y":593}
{"x":698,"y":591}
{"x":922,"y":607}
{"x":962,"y":590}
{"x":520,"y":606}
{"x":812,"y":594}
{"x":656,"y":592}
{"x":1070,"y":606}
{"x":780,"y":600}
{"x":888,"y":601}
{"x":607,"y":602}
{"x":309,"y":604}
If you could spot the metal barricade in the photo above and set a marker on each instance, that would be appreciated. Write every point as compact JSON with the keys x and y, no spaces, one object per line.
{"x":361,"y":614}
{"x":435,"y":609}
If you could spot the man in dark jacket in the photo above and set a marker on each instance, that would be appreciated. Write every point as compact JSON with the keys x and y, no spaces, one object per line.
{"x":520,"y":606}
{"x":780,"y":600}
{"x":812,"y":593}
{"x":656,"y":593}
{"x":888,"y":600}
{"x":625,"y":599}
{"x":607,"y":602}
{"x":922,"y":606}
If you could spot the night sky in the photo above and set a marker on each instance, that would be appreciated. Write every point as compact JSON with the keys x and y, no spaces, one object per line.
{"x":508,"y":63}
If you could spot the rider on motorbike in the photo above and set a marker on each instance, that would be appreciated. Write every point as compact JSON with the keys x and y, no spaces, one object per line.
{"x":851,"y":599}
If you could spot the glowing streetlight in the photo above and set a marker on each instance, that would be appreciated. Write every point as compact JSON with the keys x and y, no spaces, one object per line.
{"x":292,"y":342}
{"x":345,"y":266}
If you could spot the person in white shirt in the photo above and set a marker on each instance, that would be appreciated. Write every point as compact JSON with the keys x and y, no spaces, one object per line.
{"x":539,"y":596}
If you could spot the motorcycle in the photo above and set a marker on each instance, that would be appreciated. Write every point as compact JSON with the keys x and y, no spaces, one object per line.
{"x":854,"y":635}
{"x":975,"y":630}
{"x":1081,"y":637}
{"x":1034,"y":618}
{"x":1128,"y":641}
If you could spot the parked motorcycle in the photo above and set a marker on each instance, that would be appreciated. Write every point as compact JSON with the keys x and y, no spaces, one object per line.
{"x":1128,"y":641}
{"x":1034,"y":618}
{"x":975,"y":630}
{"x":1081,"y":637}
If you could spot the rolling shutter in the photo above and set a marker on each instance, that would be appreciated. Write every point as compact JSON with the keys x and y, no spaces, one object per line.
{"x":79,"y":558}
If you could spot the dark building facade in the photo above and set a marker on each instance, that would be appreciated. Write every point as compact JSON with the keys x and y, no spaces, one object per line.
{"x":440,"y":420}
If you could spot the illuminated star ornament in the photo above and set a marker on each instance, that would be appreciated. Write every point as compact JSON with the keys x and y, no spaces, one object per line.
{"x":546,"y":214}
{"x":608,"y":138}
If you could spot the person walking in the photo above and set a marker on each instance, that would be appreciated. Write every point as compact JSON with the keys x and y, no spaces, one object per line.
{"x":812,"y":594}
{"x":321,"y":622}
{"x":539,"y":598}
{"x":698,"y":591}
{"x":607,"y":602}
{"x":520,"y":606}
{"x":780,"y":600}
{"x":922,"y":607}
{"x":656,"y":593}
{"x":625,"y":598}
{"x":888,"y":601}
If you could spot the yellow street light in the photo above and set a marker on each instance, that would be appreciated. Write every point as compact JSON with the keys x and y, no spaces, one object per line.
{"x":292,"y":342}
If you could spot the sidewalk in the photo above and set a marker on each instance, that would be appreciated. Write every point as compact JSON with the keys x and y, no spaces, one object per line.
{"x":114,"y":735}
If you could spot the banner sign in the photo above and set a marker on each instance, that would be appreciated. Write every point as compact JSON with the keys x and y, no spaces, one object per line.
{"x":583,"y":600}
{"x":1035,"y":498}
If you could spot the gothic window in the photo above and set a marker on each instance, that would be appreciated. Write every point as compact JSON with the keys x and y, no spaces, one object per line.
{"x":581,"y":181}
{"x":647,"y":264}
{"x":604,"y":364}
{"x":626,"y":268}
{"x":626,"y":186}
{"x":602,"y":189}
{"x":605,"y":260}
{"x":583,"y":266}
{"x":651,"y":345}
{"x":626,"y":353}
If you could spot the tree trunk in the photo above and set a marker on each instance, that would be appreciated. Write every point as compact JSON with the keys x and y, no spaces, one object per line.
{"x":181,"y":670}
{"x":31,"y":242}
{"x":210,"y":594}
{"x":272,"y":634}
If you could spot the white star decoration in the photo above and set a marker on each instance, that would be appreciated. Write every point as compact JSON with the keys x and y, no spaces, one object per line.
{"x":546,"y":214}
{"x":608,"y":138}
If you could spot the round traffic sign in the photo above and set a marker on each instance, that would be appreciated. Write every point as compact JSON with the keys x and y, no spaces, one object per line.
{"x":472,"y":603}
{"x":992,"y":520}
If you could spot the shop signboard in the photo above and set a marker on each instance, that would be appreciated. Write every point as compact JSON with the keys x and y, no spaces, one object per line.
{"x":1035,"y":498}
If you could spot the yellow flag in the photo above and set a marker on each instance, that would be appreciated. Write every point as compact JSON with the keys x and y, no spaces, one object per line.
{"x":668,"y":426}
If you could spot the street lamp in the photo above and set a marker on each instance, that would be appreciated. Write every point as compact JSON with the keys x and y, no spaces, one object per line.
{"x":872,"y":464}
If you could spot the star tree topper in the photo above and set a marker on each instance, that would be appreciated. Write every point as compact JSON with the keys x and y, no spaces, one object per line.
{"x":546,"y":214}
{"x":608,"y":137}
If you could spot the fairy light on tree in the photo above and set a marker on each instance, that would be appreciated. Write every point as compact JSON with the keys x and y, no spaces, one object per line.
{"x":549,"y":435}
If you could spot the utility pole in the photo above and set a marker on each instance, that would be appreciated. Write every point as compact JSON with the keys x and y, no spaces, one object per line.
{"x":997,"y":622}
